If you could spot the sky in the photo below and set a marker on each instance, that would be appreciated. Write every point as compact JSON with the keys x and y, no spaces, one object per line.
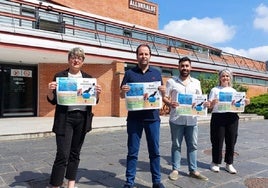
{"x":235,"y":26}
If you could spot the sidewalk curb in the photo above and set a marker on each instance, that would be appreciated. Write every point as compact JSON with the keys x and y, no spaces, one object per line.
{"x":99,"y":124}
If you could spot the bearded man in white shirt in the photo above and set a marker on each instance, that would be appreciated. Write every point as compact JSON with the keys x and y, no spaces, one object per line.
{"x":180,"y":125}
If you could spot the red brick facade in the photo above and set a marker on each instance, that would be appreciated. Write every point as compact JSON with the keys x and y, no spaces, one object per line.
{"x":109,"y":76}
{"x":118,"y":10}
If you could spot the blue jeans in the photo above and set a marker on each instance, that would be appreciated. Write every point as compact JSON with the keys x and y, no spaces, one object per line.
{"x":190,"y":135}
{"x":134,"y":130}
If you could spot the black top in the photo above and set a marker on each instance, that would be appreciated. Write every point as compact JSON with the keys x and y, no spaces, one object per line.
{"x":61,"y":111}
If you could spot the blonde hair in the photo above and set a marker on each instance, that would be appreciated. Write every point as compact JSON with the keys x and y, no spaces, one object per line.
{"x":77,"y":51}
{"x":229,"y":73}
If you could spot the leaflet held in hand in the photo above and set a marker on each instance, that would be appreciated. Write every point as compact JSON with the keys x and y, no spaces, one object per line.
{"x":143,"y":96}
{"x":231,"y":101}
{"x":191,"y":105}
{"x":76,"y":91}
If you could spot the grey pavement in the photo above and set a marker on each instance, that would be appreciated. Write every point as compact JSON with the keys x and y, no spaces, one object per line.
{"x":28,"y":149}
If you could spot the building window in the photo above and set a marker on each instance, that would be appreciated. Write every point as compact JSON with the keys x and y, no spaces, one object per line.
{"x":127,"y":33}
{"x":50,"y":26}
{"x":28,"y":11}
{"x":217,"y":53}
{"x":167,"y":72}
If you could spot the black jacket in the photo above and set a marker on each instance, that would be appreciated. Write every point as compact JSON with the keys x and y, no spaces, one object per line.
{"x":61,"y":111}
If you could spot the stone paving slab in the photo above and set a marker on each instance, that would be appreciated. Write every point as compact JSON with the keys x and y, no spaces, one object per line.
{"x":28,"y":162}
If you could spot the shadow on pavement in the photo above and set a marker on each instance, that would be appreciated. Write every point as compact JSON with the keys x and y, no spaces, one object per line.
{"x":100,"y":177}
{"x":30,"y":179}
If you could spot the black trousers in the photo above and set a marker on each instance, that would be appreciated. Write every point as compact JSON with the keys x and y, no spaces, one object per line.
{"x":68,"y":149}
{"x":223,"y":126}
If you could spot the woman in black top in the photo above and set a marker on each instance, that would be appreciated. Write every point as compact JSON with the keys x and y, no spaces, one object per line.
{"x":71,"y":123}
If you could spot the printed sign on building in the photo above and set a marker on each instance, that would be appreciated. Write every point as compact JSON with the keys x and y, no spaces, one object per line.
{"x":142,"y":6}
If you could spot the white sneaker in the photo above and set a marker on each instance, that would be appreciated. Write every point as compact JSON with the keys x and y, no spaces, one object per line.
{"x":174,"y":175}
{"x":230,"y":168}
{"x":214,"y":167}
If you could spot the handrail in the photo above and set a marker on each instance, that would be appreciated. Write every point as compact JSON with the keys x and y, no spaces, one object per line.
{"x":17,"y":16}
{"x":150,"y":34}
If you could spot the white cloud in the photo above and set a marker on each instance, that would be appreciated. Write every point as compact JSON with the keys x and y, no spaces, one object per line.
{"x":213,"y":31}
{"x":258,"y":53}
{"x":261,"y":20}
{"x":207,"y":30}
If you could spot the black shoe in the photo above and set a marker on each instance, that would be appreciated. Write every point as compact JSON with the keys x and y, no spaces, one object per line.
{"x":158,"y":185}
{"x":127,"y":186}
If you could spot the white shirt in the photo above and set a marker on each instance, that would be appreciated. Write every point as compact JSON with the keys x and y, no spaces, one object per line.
{"x":174,"y":86}
{"x":214,"y":94}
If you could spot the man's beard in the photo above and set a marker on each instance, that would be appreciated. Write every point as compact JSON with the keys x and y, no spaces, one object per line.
{"x":184,"y":73}
{"x":143,"y":63}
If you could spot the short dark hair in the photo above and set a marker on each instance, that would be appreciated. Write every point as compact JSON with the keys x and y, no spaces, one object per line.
{"x":144,"y":45}
{"x":183,"y":59}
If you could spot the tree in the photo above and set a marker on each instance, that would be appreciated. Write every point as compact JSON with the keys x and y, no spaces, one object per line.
{"x":258,"y":105}
{"x":240,"y":87}
{"x":208,"y":83}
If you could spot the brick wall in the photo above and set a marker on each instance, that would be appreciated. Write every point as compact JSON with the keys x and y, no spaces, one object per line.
{"x":109,"y":76}
{"x":105,"y":77}
{"x":46,"y":73}
{"x":119,"y":107}
{"x":254,"y":90}
{"x":118,"y":10}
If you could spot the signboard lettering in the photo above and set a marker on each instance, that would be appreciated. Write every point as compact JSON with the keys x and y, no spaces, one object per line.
{"x":142,"y":6}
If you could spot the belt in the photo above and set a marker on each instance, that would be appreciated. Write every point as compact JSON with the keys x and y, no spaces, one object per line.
{"x":76,"y":111}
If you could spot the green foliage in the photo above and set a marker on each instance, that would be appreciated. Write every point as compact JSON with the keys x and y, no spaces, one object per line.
{"x":239,"y":87}
{"x":208,"y":83}
{"x":258,"y":105}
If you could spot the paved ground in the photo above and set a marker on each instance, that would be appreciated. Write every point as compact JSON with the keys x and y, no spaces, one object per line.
{"x":27,"y":162}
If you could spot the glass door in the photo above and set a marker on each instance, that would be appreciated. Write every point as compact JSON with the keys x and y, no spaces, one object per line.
{"x":18,"y":90}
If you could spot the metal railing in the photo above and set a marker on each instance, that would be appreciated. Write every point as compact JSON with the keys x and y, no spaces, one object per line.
{"x":47,"y":18}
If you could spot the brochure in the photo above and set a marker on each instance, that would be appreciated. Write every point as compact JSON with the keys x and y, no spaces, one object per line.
{"x":231,"y":102}
{"x":191,"y":105}
{"x":143,"y":96}
{"x":76,"y":91}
